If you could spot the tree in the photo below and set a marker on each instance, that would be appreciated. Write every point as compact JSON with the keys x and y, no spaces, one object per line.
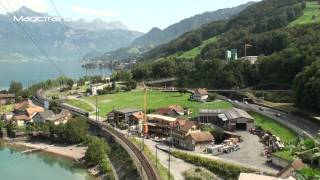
{"x":114,"y":85}
{"x":131,"y":84}
{"x":76,"y":130}
{"x":307,"y":87}
{"x":122,"y":76}
{"x":97,"y":150}
{"x":15,"y":88}
{"x":54,"y":105}
{"x":2,"y":124}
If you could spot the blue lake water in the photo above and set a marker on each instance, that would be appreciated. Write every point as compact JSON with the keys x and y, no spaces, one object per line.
{"x":32,"y":72}
{"x":38,"y":166}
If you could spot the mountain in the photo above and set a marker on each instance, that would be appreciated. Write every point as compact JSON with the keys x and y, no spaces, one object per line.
{"x":96,"y":25}
{"x":58,"y":42}
{"x":284,"y":36}
{"x":261,"y":17}
{"x":157,"y":36}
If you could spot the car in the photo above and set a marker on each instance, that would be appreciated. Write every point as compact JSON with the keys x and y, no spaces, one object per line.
{"x":278,"y":114}
{"x":261,"y":109}
{"x":246,"y":102}
{"x":235,"y":101}
{"x":236,"y":147}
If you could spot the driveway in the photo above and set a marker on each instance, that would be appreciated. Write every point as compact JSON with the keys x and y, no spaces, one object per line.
{"x":250,"y":153}
{"x":178,"y":166}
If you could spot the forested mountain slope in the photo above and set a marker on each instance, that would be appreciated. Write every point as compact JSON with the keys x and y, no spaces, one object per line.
{"x":285,"y":53}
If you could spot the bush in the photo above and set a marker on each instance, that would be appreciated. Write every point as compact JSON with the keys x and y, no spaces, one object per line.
{"x":199,"y":174}
{"x":105,"y":166}
{"x":222,"y":169}
{"x":212,"y":96}
{"x":309,"y":144}
{"x":97,"y":150}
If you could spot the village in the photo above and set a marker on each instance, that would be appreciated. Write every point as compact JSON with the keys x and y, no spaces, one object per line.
{"x":228,"y":133}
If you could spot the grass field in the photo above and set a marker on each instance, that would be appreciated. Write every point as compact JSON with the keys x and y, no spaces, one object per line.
{"x":195,"y":51}
{"x":312,"y":9}
{"x":156,"y":99}
{"x":286,"y":154}
{"x":274,"y":127}
{"x":80,"y":104}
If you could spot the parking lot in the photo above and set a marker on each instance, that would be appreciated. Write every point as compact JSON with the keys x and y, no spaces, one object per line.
{"x":250,"y":152}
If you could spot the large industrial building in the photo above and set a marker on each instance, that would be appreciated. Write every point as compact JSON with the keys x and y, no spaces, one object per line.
{"x":231,"y":119}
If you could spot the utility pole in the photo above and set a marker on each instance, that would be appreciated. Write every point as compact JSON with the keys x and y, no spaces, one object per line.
{"x":157,"y":154}
{"x":96,"y":108}
{"x":145,"y":124}
{"x":169,"y":153}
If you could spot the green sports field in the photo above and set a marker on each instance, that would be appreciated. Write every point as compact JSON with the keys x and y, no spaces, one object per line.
{"x":156,"y":99}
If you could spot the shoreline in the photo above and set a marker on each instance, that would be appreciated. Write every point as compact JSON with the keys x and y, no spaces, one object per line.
{"x":73,"y":152}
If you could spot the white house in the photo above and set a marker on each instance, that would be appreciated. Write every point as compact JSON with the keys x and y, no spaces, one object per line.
{"x":96,"y":87}
{"x":200,"y":95}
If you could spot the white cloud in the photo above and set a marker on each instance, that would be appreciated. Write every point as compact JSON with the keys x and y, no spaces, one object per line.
{"x":94,"y":12}
{"x":36,"y":5}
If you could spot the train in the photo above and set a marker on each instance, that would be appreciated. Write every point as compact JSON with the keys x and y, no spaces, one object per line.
{"x":44,"y":102}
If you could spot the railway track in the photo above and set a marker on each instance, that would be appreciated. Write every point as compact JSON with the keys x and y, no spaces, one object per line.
{"x":148,"y":169}
{"x":148,"y":172}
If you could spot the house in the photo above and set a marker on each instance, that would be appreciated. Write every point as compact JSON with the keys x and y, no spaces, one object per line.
{"x":49,"y":116}
{"x":198,"y":140}
{"x":5,"y":98}
{"x":136,"y":121}
{"x":172,"y":111}
{"x":181,"y":129}
{"x":251,"y":176}
{"x":41,"y":117}
{"x":21,"y":120}
{"x":231,"y":119}
{"x":121,"y":115}
{"x":159,"y":125}
{"x":25,"y":111}
{"x":200,"y":95}
{"x":96,"y":87}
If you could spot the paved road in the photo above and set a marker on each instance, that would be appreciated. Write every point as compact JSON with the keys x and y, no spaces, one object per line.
{"x":299,"y":124}
{"x":178,"y":166}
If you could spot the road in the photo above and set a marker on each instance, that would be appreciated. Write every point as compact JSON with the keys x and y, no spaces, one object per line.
{"x":299,"y":124}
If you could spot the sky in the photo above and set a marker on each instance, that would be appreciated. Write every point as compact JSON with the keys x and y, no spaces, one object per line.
{"x":139,"y":15}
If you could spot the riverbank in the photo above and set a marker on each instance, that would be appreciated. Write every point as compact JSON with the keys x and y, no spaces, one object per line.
{"x":73,"y":152}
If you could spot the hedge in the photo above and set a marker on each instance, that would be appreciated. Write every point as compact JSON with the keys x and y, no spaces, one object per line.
{"x":221,"y":169}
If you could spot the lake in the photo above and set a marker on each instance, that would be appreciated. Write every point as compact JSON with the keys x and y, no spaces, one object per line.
{"x":30,"y":72}
{"x":38,"y":166}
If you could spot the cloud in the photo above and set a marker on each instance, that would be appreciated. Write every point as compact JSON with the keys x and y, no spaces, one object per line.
{"x":36,"y":5}
{"x":94,"y":12}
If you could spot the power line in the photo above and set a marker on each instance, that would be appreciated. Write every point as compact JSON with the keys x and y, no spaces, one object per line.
{"x":66,"y":29}
{"x":23,"y":27}
{"x":74,"y":42}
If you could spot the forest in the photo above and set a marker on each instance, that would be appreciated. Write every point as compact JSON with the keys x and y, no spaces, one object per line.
{"x":288,"y":55}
